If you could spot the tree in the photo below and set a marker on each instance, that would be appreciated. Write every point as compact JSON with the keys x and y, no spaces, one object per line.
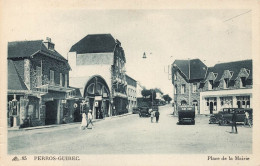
{"x":167,"y":98}
{"x":149,"y":93}
{"x":145,"y":93}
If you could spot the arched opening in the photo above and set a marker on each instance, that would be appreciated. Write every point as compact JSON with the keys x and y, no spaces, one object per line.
{"x":97,"y":93}
{"x":183,"y":102}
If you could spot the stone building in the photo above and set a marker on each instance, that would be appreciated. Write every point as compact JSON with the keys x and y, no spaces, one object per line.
{"x":186,"y":78}
{"x":210,"y":89}
{"x":131,"y":93}
{"x":98,"y":69}
{"x":38,"y":84}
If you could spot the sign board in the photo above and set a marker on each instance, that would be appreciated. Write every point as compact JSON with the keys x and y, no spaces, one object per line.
{"x":64,"y":101}
{"x":98,"y":97}
{"x":48,"y":99}
{"x":105,"y":95}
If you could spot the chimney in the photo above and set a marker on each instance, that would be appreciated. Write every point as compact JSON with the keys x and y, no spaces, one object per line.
{"x":49,"y":44}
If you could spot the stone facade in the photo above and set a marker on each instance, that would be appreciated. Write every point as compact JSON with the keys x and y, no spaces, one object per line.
{"x":47,"y":97}
{"x":190,"y":96}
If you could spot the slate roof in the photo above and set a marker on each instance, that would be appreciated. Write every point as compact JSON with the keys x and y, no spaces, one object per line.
{"x":95,"y":43}
{"x":192,"y":69}
{"x":234,"y":67}
{"x":15,"y":82}
{"x":25,"y":49}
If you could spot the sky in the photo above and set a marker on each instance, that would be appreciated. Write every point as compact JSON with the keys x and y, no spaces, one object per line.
{"x":213,"y":36}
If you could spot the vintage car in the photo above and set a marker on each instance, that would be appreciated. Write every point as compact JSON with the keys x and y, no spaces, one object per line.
{"x":215,"y":118}
{"x":144,"y":112}
{"x":186,"y":114}
{"x":227,"y":117}
{"x":155,"y":108}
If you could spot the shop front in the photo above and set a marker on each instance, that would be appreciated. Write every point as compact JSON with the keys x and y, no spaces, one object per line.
{"x":98,"y":95}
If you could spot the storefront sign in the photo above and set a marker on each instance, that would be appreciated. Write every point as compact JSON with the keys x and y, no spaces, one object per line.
{"x":105,"y":95}
{"x":98,"y":97}
{"x":48,"y":99}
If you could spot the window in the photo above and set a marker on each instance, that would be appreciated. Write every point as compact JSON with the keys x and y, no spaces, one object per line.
{"x":226,"y":83}
{"x":194,"y":87}
{"x":210,"y":84}
{"x":183,"y":88}
{"x":51,"y":77}
{"x":39,"y":75}
{"x":243,"y":101}
{"x":175,"y":76}
{"x":242,"y":82}
{"x":175,"y":89}
{"x":66,"y":80}
{"x":61,"y":79}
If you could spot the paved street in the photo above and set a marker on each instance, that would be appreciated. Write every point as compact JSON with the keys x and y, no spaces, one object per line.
{"x":133,"y":135}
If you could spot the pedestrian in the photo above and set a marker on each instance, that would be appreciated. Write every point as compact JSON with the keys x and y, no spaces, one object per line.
{"x":234,"y":120}
{"x":157,"y":114}
{"x":90,"y":117}
{"x":152,"y":115}
{"x":84,"y":121}
{"x":246,"y":121}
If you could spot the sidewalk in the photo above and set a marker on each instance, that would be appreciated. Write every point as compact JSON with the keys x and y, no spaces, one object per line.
{"x":65,"y":125}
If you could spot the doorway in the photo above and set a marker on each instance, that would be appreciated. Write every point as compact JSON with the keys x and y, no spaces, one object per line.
{"x":51,"y":112}
{"x":211,"y":107}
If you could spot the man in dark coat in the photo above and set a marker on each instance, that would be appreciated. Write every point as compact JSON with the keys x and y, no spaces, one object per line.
{"x":234,"y":120}
{"x":157,"y":114}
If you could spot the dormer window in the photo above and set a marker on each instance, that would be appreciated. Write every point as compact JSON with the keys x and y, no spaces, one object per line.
{"x":242,"y":82}
{"x":226,"y":83}
{"x":210,"y":85}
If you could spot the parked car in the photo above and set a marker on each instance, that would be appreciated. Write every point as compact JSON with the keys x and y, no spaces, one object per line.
{"x":136,"y":110}
{"x":215,"y":118}
{"x":186,"y":114}
{"x":144,"y":112}
{"x":227,"y":117}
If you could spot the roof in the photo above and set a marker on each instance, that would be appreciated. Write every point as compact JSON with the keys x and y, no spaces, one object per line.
{"x":25,"y":49}
{"x":95,"y":43}
{"x":235,"y":67}
{"x":15,"y":82}
{"x":192,"y":69}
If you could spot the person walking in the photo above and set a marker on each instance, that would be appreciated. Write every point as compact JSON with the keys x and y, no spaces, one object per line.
{"x":152,"y":115}
{"x":246,"y":121}
{"x":157,"y":114}
{"x":234,"y":120}
{"x":84,"y":121}
{"x":90,"y":117}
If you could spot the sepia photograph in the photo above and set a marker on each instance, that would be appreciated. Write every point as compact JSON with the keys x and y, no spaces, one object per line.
{"x":130,"y":85}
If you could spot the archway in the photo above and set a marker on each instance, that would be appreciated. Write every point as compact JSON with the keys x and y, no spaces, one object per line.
{"x":97,"y":92}
{"x":183,"y":102}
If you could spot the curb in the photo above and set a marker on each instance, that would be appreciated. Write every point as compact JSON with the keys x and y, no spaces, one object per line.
{"x":61,"y":125}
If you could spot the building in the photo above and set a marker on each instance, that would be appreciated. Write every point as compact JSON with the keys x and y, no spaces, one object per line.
{"x":227,"y":85}
{"x":131,"y":93}
{"x":186,"y":78}
{"x":212,"y":88}
{"x":98,"y":69}
{"x":38,"y":84}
